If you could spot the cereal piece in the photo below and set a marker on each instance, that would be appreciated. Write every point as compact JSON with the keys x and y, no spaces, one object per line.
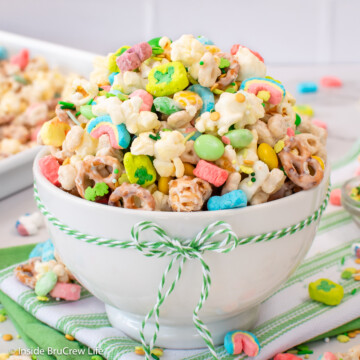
{"x":230,"y":67}
{"x":49,"y":167}
{"x":326,"y":292}
{"x":129,"y":193}
{"x":82,"y":91}
{"x":132,"y":58}
{"x":335,"y":197}
{"x":118,"y":134}
{"x":210,"y":173}
{"x":206,"y":71}
{"x":307,"y":87}
{"x":53,"y":132}
{"x":139,"y":169}
{"x":188,"y":194}
{"x":209,"y":147}
{"x":231,"y":200}
{"x":179,"y":119}
{"x":25,"y":273}
{"x":189,"y":155}
{"x":147,"y":99}
{"x":167,"y":79}
{"x":7,"y":337}
{"x":189,"y":100}
{"x":236,"y":342}
{"x":232,"y":183}
{"x":206,"y":95}
{"x":66,"y":291}
{"x":268,"y":155}
{"x":67,"y":175}
{"x":45,"y":283}
{"x":274,"y":181}
{"x":297,"y":166}
{"x":255,"y":85}
{"x":29,"y":224}
{"x":331,"y":82}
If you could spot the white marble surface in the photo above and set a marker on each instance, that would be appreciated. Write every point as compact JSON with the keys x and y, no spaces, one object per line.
{"x":339,"y":108}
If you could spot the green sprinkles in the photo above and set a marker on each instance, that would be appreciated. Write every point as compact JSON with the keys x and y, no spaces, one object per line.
{"x":343,"y":260}
{"x":116,"y":171}
{"x":353,"y":291}
{"x":20,"y":79}
{"x":155,"y":137}
{"x":201,"y":63}
{"x":253,"y":179}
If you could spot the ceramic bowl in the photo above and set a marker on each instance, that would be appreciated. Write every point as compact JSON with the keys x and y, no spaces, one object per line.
{"x":351,"y":205}
{"x":127,"y":281}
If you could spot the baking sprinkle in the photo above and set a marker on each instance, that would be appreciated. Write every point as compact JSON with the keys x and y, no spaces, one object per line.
{"x":73,"y":118}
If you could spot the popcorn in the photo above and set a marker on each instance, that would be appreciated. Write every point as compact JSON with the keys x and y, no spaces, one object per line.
{"x":232,"y":112}
{"x":187,"y":49}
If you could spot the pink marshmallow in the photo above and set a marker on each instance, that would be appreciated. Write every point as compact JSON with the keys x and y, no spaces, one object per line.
{"x":49,"y":167}
{"x":319,"y":123}
{"x":106,"y":87}
{"x":275,"y":94}
{"x":210,"y":173}
{"x":66,"y":291}
{"x":146,"y":98}
{"x":290,"y":132}
{"x":225,"y":140}
{"x":132,"y":58}
{"x":328,"y":356}
{"x":335,"y":197}
{"x":286,"y":357}
{"x":357,"y":172}
{"x":234,"y":49}
{"x":21,"y":59}
{"x":330,"y":82}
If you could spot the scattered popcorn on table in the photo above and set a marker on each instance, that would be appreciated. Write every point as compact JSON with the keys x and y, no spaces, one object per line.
{"x":29,"y":224}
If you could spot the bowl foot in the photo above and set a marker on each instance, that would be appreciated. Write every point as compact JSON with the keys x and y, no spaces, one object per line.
{"x":182,"y":336}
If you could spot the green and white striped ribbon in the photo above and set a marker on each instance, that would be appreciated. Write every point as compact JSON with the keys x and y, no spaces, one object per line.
{"x":180,"y":251}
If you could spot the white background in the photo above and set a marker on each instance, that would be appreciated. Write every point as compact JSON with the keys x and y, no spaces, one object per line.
{"x":283,"y":31}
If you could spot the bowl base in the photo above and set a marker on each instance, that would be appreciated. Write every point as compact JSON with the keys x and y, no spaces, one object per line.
{"x":180,"y":336}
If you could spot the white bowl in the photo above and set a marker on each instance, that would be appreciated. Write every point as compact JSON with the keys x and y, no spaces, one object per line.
{"x":127,"y":281}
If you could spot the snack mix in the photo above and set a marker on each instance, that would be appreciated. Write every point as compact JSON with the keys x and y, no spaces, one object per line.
{"x":29,"y":93}
{"x":181,"y":126}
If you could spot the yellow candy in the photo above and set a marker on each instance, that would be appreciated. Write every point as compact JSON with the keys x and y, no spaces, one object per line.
{"x":343,"y":338}
{"x":189,"y":169}
{"x":212,"y":48}
{"x":319,"y":160}
{"x":279,"y":146}
{"x":4,"y":356}
{"x":69,"y":337}
{"x":53,"y":132}
{"x":214,"y":116}
{"x":139,"y":169}
{"x":304,"y":110}
{"x":163,"y":184}
{"x":267,"y":154}
{"x":188,"y":98}
{"x":246,"y":169}
{"x":167,"y":79}
{"x":239,"y":97}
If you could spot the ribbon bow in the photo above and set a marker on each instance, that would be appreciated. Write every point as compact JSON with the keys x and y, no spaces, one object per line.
{"x":183,"y":250}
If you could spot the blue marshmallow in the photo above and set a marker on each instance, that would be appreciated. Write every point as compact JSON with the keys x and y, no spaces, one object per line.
{"x":206,"y":96}
{"x":48,"y":251}
{"x":111,"y":77}
{"x":307,"y":87}
{"x":204,"y":40}
{"x":3,"y":53}
{"x":37,"y":251}
{"x":233,"y":199}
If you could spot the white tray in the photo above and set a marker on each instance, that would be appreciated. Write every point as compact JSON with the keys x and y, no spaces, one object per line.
{"x":16,"y":171}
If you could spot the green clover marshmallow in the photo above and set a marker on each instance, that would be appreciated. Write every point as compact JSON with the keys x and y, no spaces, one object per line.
{"x":167,"y":79}
{"x":326,"y":292}
{"x":139,"y":169}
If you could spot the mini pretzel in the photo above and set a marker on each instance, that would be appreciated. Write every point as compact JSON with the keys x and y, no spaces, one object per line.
{"x":128,"y":192}
{"x":297,"y":166}
{"x":232,"y":71}
{"x":25,"y":273}
{"x":94,"y":169}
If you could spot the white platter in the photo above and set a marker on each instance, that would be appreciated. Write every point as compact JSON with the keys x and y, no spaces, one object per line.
{"x":15,"y":171}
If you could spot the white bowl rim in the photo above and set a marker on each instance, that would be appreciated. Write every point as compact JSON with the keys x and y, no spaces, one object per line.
{"x":196,"y":215}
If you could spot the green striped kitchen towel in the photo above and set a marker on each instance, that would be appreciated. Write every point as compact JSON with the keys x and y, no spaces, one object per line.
{"x":287,"y":318}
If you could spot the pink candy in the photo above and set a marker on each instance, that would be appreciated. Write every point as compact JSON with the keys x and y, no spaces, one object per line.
{"x":132,"y":58}
{"x":146,"y":98}
{"x":49,"y":166}
{"x":319,"y":123}
{"x":210,"y":173}
{"x":21,"y":59}
{"x":330,"y":82}
{"x":66,"y":291}
{"x":335,"y":197}
{"x":328,"y":356}
{"x":287,"y":357}
{"x":357,"y":172}
{"x":290,"y":132}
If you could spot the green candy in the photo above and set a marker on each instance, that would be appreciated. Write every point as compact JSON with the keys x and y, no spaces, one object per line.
{"x":326,"y":292}
{"x":209,"y":147}
{"x":139,"y":169}
{"x":239,"y":138}
{"x":166,"y":105}
{"x":86,"y":110}
{"x":46,"y":283}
